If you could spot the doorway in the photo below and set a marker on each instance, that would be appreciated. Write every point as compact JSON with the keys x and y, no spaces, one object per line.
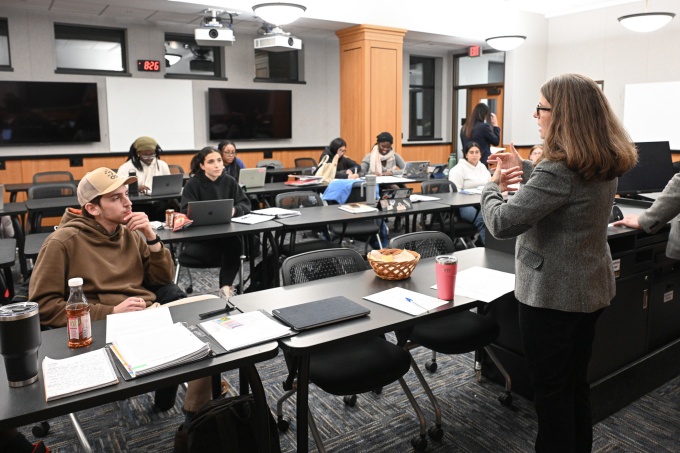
{"x":491,"y":96}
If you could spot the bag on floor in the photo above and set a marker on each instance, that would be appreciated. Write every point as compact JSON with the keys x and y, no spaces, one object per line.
{"x":226,"y":425}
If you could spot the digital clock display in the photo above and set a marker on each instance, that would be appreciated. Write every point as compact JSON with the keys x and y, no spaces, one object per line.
{"x":149,"y":65}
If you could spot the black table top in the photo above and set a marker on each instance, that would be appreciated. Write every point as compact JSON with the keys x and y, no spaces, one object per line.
{"x":357,"y":285}
{"x":39,"y":204}
{"x":25,"y":405}
{"x":8,"y":248}
{"x":273,"y":188}
{"x":13,"y":209}
{"x":215,"y":231}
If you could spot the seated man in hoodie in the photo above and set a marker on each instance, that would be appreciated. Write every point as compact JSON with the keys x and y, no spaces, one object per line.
{"x":122,"y":270}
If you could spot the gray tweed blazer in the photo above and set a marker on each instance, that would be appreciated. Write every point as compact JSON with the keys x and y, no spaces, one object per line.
{"x":562,"y":259}
{"x":665,"y":208}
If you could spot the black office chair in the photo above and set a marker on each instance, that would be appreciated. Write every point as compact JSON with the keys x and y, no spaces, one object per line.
{"x":187,"y":261}
{"x":299,"y":200}
{"x":51,"y":190}
{"x":463,"y":230}
{"x":359,"y":366}
{"x":305,"y":162}
{"x":363,"y":229}
{"x":269,"y":163}
{"x":457,"y":333}
{"x":176,"y":169}
{"x":52,"y":176}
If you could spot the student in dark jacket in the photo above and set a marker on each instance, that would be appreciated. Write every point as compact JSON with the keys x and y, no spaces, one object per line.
{"x":211,"y":182}
{"x":347,"y":168}
{"x":232,"y":164}
{"x":481,"y":127}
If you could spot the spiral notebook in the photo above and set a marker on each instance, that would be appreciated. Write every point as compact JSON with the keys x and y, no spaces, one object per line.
{"x":320,"y":313}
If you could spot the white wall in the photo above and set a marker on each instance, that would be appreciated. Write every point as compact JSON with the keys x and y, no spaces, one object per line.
{"x":316,"y":112}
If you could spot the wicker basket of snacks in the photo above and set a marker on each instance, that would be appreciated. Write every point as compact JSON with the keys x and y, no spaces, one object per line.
{"x":393,"y":264}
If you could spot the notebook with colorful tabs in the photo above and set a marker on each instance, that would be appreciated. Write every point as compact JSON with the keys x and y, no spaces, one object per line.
{"x":320,"y":313}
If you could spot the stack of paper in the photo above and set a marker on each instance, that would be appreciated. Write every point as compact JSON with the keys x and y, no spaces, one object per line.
{"x":357,"y":208}
{"x":279,"y":213}
{"x":243,"y":330}
{"x":252,"y":219}
{"x":157,"y":349}
{"x":416,"y":197}
{"x":77,"y":374}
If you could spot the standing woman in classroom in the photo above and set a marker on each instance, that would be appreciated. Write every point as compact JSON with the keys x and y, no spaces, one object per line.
{"x":481,"y":127}
{"x":564,"y":277}
{"x":211,"y":182}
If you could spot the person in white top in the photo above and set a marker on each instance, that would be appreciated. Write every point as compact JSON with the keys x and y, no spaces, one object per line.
{"x":144,"y":158}
{"x":469,"y":174}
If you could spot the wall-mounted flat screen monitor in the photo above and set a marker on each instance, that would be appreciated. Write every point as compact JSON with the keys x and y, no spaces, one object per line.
{"x":652,"y":172}
{"x":249,"y":114}
{"x":48,"y":113}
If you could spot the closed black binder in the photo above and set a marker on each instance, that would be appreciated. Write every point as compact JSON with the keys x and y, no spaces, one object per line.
{"x":320,"y":313}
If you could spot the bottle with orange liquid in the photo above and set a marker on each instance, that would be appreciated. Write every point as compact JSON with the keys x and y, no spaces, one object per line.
{"x":78,"y":324}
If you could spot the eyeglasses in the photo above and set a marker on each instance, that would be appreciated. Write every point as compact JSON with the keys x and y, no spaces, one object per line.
{"x":227,"y":153}
{"x":146,"y":156}
{"x":539,"y":108}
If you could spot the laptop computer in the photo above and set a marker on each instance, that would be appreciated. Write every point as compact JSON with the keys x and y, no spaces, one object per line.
{"x":167,"y":184}
{"x":320,"y":313}
{"x":416,"y":169}
{"x":210,"y":212}
{"x":252,"y":177}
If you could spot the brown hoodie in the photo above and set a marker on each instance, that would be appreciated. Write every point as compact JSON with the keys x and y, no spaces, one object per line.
{"x":113,"y":268}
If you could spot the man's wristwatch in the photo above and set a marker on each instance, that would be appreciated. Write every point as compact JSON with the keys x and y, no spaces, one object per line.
{"x":156,"y":240}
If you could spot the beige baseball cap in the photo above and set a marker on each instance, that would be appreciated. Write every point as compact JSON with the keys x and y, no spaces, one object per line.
{"x":100,"y":182}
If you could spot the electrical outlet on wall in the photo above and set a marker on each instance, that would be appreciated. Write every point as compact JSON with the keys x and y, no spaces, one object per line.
{"x":76,"y":161}
{"x":268,"y":154}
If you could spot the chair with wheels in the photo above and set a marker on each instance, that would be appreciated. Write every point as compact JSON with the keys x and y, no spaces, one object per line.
{"x":457,"y":333}
{"x":463,"y":231}
{"x":48,"y":190}
{"x":52,"y":176}
{"x":354,"y":367}
{"x":362,"y":229}
{"x":299,"y":200}
{"x":305,"y":162}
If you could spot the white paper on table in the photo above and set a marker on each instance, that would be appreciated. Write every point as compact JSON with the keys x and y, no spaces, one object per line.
{"x":483,"y":284}
{"x":123,"y":324}
{"x":407,"y":301}
{"x":416,"y":197}
{"x":392,"y":179}
{"x":252,"y":219}
{"x":474,"y":191}
{"x":77,"y":374}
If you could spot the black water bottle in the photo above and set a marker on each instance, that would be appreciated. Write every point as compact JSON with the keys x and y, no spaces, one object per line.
{"x":133,"y":188}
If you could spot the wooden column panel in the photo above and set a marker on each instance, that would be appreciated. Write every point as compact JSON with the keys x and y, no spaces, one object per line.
{"x":370,"y":85}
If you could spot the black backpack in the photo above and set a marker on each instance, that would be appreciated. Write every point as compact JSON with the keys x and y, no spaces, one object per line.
{"x":227,"y":425}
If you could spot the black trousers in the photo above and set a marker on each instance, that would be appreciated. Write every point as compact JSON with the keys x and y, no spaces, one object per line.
{"x":558,"y":346}
{"x":224,"y":253}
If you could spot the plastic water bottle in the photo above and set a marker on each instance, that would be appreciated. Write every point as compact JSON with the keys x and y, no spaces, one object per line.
{"x":452,"y":160}
{"x":78,"y":323}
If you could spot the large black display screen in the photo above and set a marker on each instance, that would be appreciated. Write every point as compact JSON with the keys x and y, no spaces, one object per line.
{"x":41,"y":113}
{"x":249,"y":114}
{"x":653,"y":171}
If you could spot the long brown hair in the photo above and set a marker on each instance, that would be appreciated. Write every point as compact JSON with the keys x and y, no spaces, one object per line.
{"x":479,"y":115}
{"x":584,"y":131}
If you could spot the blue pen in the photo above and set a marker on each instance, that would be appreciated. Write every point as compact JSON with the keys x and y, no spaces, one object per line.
{"x":408,"y":299}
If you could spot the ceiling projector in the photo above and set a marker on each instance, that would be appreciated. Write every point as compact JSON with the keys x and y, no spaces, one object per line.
{"x":278,"y":43}
{"x":214,"y":36}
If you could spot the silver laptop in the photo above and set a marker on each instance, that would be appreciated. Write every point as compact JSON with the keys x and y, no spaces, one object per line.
{"x":252,"y":177}
{"x":416,"y":169}
{"x":167,"y":185}
{"x":211,"y":212}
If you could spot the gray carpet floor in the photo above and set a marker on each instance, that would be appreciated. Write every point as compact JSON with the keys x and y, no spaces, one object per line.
{"x":473,"y":419}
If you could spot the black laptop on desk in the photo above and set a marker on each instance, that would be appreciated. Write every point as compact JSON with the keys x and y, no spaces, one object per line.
{"x":320,"y":313}
{"x":167,"y":184}
{"x":210,"y":212}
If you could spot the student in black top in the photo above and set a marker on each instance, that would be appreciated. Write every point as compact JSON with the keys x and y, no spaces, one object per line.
{"x":347,"y":168}
{"x":211,"y":182}
{"x":481,"y":127}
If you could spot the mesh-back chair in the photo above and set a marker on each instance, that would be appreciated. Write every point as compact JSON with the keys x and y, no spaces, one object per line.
{"x":52,"y":176}
{"x":52,"y":190}
{"x":269,"y":163}
{"x":305,"y":162}
{"x":358,"y":366}
{"x":463,"y":230}
{"x":362,"y":229}
{"x":176,"y":169}
{"x":457,"y":333}
{"x":295,"y":201}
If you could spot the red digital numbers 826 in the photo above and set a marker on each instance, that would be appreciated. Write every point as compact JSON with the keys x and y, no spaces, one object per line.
{"x":148,"y":65}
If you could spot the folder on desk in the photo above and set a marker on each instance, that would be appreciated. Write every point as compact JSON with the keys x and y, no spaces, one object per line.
{"x":320,"y":313}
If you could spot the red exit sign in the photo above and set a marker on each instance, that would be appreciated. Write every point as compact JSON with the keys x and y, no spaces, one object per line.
{"x":474,"y":51}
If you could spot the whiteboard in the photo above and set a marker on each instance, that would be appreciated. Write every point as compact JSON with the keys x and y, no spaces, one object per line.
{"x":650,"y":112}
{"x":162,"y":109}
